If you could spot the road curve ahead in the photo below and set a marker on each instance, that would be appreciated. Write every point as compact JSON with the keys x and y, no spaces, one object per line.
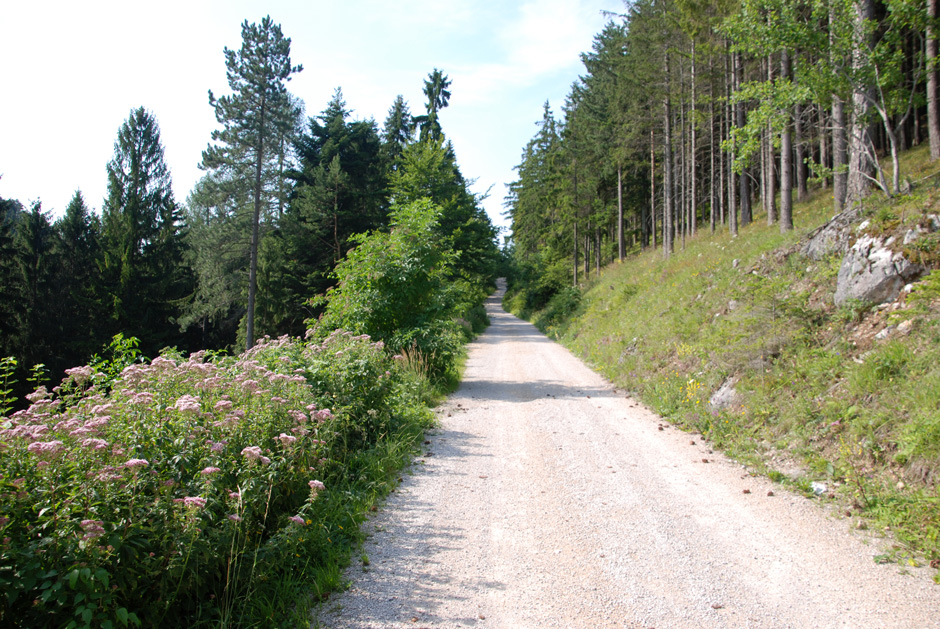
{"x":547,"y":499}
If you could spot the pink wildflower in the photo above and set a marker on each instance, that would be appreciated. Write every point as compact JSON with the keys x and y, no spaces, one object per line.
{"x":194,"y":501}
{"x":79,"y":374}
{"x":187,"y":404}
{"x":286,"y":440}
{"x":316,"y":486}
{"x":45,"y":448}
{"x":235,"y":495}
{"x":324,"y":415}
{"x":296,"y":519}
{"x":265,"y":460}
{"x":92,"y":528}
{"x":97,"y":444}
{"x":235,"y":518}
{"x":132,"y":463}
{"x":143,"y":398}
{"x":209,"y":470}
{"x":39,"y":394}
{"x":252,"y":453}
{"x":98,"y":421}
{"x":223,"y":405}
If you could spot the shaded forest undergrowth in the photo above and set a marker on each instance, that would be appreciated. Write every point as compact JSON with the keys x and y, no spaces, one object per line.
{"x":835,"y":402}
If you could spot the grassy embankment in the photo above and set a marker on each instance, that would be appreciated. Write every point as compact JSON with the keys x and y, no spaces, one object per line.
{"x":819,"y":397}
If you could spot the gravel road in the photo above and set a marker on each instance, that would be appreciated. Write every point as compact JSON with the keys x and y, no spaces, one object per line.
{"x":548,"y":499}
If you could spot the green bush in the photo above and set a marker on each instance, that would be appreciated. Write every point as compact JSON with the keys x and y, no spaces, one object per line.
{"x":183,"y":493}
{"x":397,"y":287}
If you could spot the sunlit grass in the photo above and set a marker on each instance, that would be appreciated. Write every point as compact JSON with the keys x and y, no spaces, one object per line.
{"x":813,"y":388}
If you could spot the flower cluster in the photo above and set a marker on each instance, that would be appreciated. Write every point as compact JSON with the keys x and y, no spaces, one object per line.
{"x":181,"y":453}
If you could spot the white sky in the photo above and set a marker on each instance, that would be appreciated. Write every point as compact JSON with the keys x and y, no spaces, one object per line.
{"x":71,"y":72}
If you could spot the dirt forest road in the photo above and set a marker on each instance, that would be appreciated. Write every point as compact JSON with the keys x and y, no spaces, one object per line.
{"x":548,"y":499}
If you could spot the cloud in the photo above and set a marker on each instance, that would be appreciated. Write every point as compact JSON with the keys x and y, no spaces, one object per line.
{"x":545,"y":39}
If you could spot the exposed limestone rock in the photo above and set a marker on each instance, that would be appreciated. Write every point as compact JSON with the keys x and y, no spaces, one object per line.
{"x":871,"y":272}
{"x":726,"y":396}
{"x":833,"y":237}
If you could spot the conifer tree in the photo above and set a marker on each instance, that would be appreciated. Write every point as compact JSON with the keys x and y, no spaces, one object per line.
{"x":436,"y":89}
{"x":78,"y":249}
{"x":140,"y":237}
{"x":398,"y":131}
{"x":254,"y":117}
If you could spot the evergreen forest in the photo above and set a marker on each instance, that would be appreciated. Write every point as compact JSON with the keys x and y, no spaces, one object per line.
{"x":244,"y":256}
{"x":708,"y":115}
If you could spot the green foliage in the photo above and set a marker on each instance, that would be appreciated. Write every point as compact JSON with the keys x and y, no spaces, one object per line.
{"x":142,"y":246}
{"x":197,"y":490}
{"x":258,"y":122}
{"x":394,"y":287}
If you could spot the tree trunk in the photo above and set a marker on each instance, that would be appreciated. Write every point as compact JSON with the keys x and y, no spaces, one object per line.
{"x":575,"y":239}
{"x":721,"y":166}
{"x":798,"y":149}
{"x":933,"y":112}
{"x":255,"y":234}
{"x":681,"y":167}
{"x":597,"y":251}
{"x":667,"y":170}
{"x":823,"y":152}
{"x":732,"y":178}
{"x":620,"y":245}
{"x":693,"y":200}
{"x":744,"y":182}
{"x":861,"y":160}
{"x":839,"y":148}
{"x":786,"y":160}
{"x":711,"y":152}
{"x":769,"y":182}
{"x":652,"y":189}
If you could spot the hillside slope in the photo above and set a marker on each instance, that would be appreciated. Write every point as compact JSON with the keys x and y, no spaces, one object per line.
{"x":739,"y":339}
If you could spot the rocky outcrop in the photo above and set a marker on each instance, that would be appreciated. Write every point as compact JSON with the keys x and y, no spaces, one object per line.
{"x":833,"y":237}
{"x":872,"y":272}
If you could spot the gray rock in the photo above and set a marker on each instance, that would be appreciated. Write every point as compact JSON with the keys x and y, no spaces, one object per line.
{"x":884,"y":333}
{"x":871,"y":272}
{"x":833,"y":237}
{"x":725,"y":396}
{"x":905,"y":326}
{"x":912,"y":235}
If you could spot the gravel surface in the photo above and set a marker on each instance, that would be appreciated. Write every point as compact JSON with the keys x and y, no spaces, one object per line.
{"x":548,"y":499}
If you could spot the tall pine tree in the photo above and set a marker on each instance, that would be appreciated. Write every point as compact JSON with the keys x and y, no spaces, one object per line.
{"x":254,"y":118}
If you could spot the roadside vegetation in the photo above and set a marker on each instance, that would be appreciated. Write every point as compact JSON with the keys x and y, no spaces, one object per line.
{"x":228,"y":491}
{"x":843,"y":397}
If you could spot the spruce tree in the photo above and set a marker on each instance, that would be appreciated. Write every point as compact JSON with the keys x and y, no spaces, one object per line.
{"x":140,"y":237}
{"x":254,"y":118}
{"x":78,"y":278}
{"x":398,"y":131}
{"x":435,"y":88}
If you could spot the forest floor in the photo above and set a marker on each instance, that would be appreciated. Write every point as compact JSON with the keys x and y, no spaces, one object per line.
{"x":548,"y":498}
